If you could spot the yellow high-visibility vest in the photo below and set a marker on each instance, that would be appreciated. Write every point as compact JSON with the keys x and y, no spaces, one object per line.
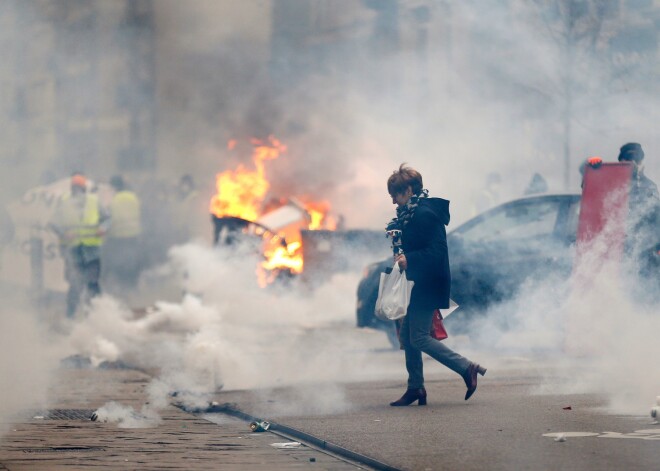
{"x":84,"y":224}
{"x":125,"y":213}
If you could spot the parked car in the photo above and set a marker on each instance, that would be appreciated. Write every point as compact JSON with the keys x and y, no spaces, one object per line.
{"x":492,"y":255}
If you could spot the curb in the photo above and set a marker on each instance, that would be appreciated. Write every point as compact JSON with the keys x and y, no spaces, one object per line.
{"x":232,"y":410}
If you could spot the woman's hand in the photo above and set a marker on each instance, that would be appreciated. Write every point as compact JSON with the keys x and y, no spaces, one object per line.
{"x":403,"y":263}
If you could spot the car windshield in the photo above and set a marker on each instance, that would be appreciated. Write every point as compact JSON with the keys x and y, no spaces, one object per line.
{"x":518,"y":220}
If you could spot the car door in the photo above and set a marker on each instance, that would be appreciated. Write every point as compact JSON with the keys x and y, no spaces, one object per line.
{"x":493,"y":255}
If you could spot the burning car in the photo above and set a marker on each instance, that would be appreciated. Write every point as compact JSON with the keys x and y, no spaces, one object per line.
{"x":239,"y":209}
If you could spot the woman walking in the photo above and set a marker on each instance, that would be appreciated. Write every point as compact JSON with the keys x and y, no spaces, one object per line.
{"x":420,"y":247}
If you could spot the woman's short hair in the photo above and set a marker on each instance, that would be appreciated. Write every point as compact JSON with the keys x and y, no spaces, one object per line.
{"x":403,"y":178}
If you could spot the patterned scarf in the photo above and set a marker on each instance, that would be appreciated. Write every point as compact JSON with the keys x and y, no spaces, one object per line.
{"x":403,"y":216}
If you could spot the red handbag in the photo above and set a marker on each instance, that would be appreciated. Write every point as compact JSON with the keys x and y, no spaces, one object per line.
{"x":438,"y":330}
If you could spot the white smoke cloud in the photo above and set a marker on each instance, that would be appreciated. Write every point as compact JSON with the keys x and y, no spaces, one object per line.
{"x":233,"y":335}
{"x":127,"y":417}
{"x":596,"y":334}
{"x":26,"y":359}
{"x":478,"y":116}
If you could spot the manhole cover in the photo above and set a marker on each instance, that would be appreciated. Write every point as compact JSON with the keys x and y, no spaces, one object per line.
{"x":65,"y":414}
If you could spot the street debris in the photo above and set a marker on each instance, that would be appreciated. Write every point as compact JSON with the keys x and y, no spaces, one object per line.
{"x":286,"y":445}
{"x":560,"y":438}
{"x":567,"y":408}
{"x":259,"y":426}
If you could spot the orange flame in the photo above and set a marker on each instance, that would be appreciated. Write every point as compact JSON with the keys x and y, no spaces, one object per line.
{"x":241,"y":192}
{"x":320,"y":218}
{"x":285,"y":257}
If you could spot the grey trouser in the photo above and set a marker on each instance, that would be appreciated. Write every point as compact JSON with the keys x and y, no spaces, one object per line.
{"x":416,"y":338}
{"x":121,"y":263}
{"x":82,"y":269}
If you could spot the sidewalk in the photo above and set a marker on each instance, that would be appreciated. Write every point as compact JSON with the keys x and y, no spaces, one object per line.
{"x":180,"y":441}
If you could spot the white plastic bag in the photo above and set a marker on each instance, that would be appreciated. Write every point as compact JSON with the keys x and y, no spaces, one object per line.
{"x":393,"y":294}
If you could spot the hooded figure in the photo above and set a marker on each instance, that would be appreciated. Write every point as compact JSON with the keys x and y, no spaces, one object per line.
{"x":425,"y":245}
{"x":643,"y":240}
{"x":122,"y":250}
{"x":420,"y":248}
{"x":643,"y":192}
{"x":536,"y":185}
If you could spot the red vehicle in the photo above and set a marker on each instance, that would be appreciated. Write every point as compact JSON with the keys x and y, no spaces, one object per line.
{"x":604,"y":210}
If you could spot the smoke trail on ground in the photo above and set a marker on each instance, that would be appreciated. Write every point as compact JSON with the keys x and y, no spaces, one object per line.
{"x":128,"y":417}
{"x":226,"y":333}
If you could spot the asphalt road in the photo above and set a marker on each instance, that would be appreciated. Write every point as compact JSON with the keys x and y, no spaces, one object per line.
{"x":335,"y":382}
{"x":501,"y":427}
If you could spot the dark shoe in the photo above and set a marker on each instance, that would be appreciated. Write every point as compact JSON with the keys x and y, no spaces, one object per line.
{"x":410,"y":396}
{"x":470,"y":378}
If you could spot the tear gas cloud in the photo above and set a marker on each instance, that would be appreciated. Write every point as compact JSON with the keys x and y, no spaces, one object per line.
{"x":26,"y":359}
{"x":228,"y":334}
{"x":485,"y":93}
{"x":596,"y":329}
{"x":127,"y":417}
{"x":486,"y":110}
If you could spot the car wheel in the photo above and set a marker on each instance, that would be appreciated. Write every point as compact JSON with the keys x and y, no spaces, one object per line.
{"x":365,"y":311}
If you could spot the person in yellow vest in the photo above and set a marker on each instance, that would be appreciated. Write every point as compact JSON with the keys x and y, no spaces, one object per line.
{"x":122,"y":250}
{"x":80,"y":223}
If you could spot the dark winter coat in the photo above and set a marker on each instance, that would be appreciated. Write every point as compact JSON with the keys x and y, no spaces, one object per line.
{"x":644,"y":203}
{"x":425,"y":247}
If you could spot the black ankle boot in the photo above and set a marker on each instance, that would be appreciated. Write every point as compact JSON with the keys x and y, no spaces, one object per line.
{"x":470,"y":378}
{"x":410,"y":396}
